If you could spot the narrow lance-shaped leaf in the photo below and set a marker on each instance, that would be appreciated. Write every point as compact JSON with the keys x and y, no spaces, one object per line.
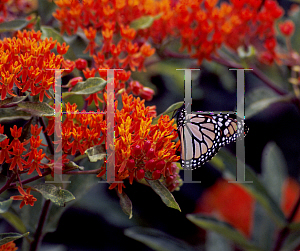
{"x":125,"y":203}
{"x":144,"y":22}
{"x":13,"y":25}
{"x":57,"y":195}
{"x":222,"y":228}
{"x":4,"y":205}
{"x":8,"y":237}
{"x":163,"y":192}
{"x":15,"y":221}
{"x":12,"y":101}
{"x":12,"y":114}
{"x":157,"y":240}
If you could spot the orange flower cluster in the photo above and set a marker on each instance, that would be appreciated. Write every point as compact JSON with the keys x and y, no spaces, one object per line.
{"x":202,"y":25}
{"x":141,"y":147}
{"x":205,"y":26}
{"x":15,"y":158}
{"x":27,"y":62}
{"x":10,"y":246}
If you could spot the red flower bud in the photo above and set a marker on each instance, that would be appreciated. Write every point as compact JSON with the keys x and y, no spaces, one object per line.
{"x":170,"y":180}
{"x":140,"y":174}
{"x":147,"y":145}
{"x":136,"y":87}
{"x":156,"y":174}
{"x":150,"y":154}
{"x":81,"y":64}
{"x":160,"y":165}
{"x":150,"y":165}
{"x":137,"y":150}
{"x":287,"y":28}
{"x":130,"y":164}
{"x":147,"y":93}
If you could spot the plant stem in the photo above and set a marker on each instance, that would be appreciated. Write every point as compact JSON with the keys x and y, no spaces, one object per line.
{"x":32,"y":178}
{"x":39,"y":230}
{"x":7,"y":184}
{"x":48,"y":139}
{"x":96,"y":171}
{"x":285,"y":231}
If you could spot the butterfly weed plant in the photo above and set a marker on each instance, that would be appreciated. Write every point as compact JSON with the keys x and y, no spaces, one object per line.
{"x":83,"y":40}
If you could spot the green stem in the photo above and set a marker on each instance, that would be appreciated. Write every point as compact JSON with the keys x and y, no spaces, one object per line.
{"x":39,"y":231}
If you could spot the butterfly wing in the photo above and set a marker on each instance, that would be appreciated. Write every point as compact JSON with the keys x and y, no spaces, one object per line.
{"x":231,"y":128}
{"x":199,"y":139}
{"x":202,"y":136}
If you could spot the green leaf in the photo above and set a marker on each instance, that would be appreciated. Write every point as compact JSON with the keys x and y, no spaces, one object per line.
{"x":36,"y":108}
{"x":12,"y":114}
{"x":294,"y":226}
{"x":157,"y":240}
{"x":96,"y":153}
{"x":13,"y":25}
{"x":215,"y":241}
{"x":90,"y":86}
{"x":2,"y":137}
{"x":50,"y":32}
{"x":166,"y":196}
{"x":58,"y":196}
{"x":274,"y":170}
{"x":170,"y":110}
{"x":125,"y":203}
{"x":257,"y":189}
{"x":223,"y":228}
{"x":79,"y":186}
{"x":15,"y":221}
{"x":263,"y":228}
{"x":292,"y":242}
{"x":144,"y":22}
{"x":4,"y":205}
{"x":8,"y":237}
{"x":263,"y":104}
{"x":12,"y":101}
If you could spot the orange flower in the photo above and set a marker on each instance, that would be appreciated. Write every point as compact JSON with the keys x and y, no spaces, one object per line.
{"x":10,"y":246}
{"x":25,"y":197}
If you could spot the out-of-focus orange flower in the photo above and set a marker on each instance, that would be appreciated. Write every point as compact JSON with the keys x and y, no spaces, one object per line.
{"x":10,"y":246}
{"x":233,"y":204}
{"x":290,"y":194}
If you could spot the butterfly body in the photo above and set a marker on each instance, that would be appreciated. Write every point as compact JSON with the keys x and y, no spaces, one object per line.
{"x":203,"y":135}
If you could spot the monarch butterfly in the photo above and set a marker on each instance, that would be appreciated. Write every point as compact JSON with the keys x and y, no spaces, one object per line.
{"x":202,"y":136}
